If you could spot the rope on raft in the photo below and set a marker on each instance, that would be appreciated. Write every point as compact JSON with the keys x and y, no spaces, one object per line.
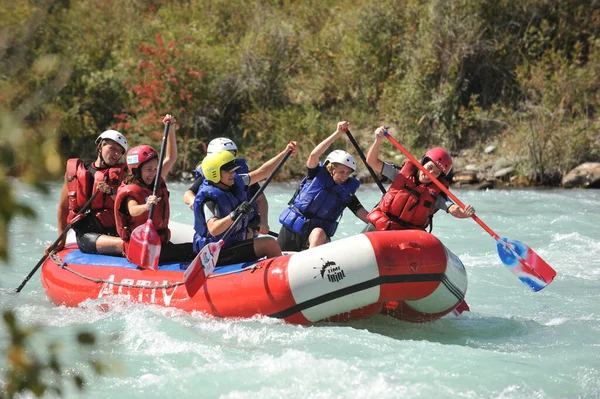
{"x":63,"y":265}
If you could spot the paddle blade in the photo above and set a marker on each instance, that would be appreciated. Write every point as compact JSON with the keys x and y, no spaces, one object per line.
{"x":203,"y":264}
{"x":144,"y":246}
{"x":524,"y":263}
{"x":194,"y":277}
{"x":462,"y":307}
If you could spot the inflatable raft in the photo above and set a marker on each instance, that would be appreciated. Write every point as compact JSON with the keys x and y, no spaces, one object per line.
{"x":409,"y":275}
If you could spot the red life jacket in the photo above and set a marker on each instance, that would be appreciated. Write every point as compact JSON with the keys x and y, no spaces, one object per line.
{"x":160,"y":217}
{"x":82,"y":183}
{"x":406,"y":205}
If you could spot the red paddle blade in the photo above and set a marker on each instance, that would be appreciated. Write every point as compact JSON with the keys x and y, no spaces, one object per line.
{"x":462,"y":307}
{"x":194,"y":277}
{"x":524,"y":263}
{"x":202,"y":265}
{"x":144,"y":246}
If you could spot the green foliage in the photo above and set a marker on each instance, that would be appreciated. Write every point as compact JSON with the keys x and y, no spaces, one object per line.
{"x":556,"y":128}
{"x":455,"y":73}
{"x":40,"y":373}
{"x":34,"y":70}
{"x":29,"y":79}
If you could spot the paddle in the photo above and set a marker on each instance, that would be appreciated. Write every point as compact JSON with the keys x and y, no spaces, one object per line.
{"x":144,"y":243}
{"x":520,"y":259}
{"x":208,"y":256}
{"x":362,"y":156}
{"x":77,"y":217}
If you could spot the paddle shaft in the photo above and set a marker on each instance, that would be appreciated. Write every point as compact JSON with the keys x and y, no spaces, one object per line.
{"x":62,"y":235}
{"x":362,"y":156}
{"x":440,"y":185}
{"x":161,"y":157}
{"x":257,"y":194}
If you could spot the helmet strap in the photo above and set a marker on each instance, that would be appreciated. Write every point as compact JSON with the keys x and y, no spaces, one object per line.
{"x":103,"y":164}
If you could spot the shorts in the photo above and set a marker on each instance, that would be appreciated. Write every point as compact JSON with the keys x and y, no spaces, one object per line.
{"x":289,"y":240}
{"x":242,"y":252}
{"x":86,"y":241}
{"x":172,"y":253}
{"x":87,"y":231}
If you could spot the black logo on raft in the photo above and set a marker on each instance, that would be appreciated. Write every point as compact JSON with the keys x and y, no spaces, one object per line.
{"x":333,"y":272}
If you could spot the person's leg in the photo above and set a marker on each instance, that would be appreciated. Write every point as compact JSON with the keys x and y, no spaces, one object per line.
{"x":317,"y":237}
{"x":96,"y":243}
{"x":290,"y":241}
{"x":368,"y":227}
{"x":242,"y":252}
{"x":266,"y":246}
{"x":171,"y":253}
{"x":109,"y":245}
{"x":93,"y":238}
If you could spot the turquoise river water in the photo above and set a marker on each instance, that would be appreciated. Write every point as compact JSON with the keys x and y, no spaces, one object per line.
{"x":514,"y":343}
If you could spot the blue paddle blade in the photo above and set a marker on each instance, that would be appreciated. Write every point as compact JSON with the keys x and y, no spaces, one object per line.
{"x":524,"y":263}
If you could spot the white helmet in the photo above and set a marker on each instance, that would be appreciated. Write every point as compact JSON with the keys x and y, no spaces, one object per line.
{"x":342,"y":157}
{"x":114,"y":136}
{"x":220,"y":144}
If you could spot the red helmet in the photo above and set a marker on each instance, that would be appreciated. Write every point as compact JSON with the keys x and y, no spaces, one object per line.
{"x":137,"y":156}
{"x":441,"y":158}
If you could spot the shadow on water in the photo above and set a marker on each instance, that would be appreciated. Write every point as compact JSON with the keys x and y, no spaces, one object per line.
{"x":470,"y":330}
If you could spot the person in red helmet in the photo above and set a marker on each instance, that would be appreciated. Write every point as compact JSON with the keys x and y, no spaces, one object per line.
{"x":95,"y":233}
{"x":412,"y":199}
{"x":134,"y":197}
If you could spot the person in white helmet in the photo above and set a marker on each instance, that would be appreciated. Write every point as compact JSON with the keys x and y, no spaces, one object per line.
{"x":313,"y":214}
{"x":96,"y":232}
{"x":259,"y":224}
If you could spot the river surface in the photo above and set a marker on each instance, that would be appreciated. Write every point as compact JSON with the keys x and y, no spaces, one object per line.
{"x":514,"y":343}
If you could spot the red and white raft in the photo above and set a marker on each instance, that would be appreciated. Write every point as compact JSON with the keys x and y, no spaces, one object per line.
{"x":409,"y":275}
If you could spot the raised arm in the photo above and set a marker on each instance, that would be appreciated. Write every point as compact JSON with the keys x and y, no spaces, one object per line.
{"x":171,"y":150}
{"x":265,"y":170}
{"x":313,"y":158}
{"x":373,"y":155}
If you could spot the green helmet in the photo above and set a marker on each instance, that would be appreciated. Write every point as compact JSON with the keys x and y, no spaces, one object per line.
{"x":217,"y":161}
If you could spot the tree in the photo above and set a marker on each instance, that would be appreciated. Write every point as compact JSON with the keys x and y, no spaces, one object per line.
{"x":29,"y":80}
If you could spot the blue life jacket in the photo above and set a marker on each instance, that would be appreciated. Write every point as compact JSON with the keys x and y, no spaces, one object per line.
{"x":319,"y":202}
{"x":227,"y":202}
{"x":244,"y":169}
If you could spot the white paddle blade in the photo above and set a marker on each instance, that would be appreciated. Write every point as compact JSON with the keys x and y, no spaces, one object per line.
{"x":203,"y":264}
{"x":209,"y":256}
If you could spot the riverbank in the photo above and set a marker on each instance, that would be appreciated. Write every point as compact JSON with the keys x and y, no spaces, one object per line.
{"x":487,"y":169}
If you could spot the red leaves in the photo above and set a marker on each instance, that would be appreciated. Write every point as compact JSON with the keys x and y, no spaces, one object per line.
{"x":161,"y":82}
